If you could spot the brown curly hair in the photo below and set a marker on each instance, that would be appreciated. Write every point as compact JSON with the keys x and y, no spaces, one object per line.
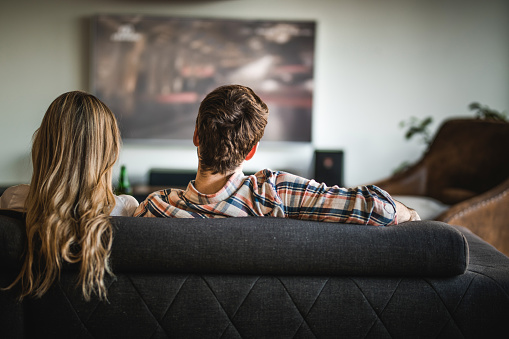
{"x":231,"y":121}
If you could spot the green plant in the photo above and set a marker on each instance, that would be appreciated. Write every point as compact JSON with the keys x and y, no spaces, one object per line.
{"x":416,"y":128}
{"x":485,"y":112}
{"x":419,"y":128}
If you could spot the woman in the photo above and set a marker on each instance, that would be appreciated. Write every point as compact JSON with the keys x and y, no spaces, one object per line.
{"x":70,"y":197}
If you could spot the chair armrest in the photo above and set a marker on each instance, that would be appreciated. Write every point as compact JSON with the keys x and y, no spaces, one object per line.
{"x":411,"y":181}
{"x":490,"y":208}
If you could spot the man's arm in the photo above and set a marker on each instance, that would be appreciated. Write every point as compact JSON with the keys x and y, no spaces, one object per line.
{"x":310,"y":200}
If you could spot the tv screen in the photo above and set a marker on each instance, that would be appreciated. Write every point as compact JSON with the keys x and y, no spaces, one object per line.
{"x":153,"y":72}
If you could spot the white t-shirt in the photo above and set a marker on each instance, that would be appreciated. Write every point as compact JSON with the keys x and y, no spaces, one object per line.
{"x":14,"y":199}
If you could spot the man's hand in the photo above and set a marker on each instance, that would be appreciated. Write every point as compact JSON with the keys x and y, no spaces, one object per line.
{"x":405,"y":214}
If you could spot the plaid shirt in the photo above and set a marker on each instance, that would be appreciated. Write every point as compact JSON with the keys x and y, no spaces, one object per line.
{"x":276,"y":194}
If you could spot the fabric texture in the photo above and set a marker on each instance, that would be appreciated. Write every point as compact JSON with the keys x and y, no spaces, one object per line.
{"x":277,"y":194}
{"x":125,"y":205}
{"x":14,"y":198}
{"x":172,"y":302}
{"x":254,"y":245}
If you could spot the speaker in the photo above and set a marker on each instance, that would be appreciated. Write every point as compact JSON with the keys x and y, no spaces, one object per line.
{"x":329,"y":167}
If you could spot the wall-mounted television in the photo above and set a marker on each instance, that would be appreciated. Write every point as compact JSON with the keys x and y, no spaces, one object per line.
{"x":154,"y":71}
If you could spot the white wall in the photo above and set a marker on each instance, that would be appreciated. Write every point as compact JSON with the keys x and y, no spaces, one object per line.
{"x":377,"y":63}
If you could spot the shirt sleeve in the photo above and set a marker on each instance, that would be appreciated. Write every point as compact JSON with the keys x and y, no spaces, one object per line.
{"x":142,"y":209}
{"x":125,"y":205}
{"x":156,"y":205}
{"x":310,"y":200}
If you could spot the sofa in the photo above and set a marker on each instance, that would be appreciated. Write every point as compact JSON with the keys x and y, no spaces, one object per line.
{"x":466,"y":170}
{"x":262,"y":277}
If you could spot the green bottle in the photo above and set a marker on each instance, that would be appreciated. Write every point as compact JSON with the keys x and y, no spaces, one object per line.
{"x":124,"y":187}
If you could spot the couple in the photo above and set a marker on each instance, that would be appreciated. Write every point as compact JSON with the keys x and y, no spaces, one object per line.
{"x":70,"y":198}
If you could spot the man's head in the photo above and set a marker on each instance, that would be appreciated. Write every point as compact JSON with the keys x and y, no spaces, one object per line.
{"x":231,"y":121}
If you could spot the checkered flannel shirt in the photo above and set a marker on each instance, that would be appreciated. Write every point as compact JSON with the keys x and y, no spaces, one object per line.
{"x":276,"y":194}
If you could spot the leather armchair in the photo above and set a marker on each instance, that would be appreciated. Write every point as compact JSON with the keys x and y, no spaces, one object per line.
{"x":466,"y":166}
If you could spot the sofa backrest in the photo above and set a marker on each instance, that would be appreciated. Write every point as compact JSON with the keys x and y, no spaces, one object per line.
{"x":263,"y":245}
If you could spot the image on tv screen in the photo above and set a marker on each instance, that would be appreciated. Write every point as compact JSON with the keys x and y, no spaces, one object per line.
{"x":153,"y":72}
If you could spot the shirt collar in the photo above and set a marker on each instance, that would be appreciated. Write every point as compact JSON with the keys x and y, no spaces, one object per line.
{"x":232,"y":185}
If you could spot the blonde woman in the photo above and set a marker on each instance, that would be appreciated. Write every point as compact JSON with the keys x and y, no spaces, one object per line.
{"x":70,"y":199}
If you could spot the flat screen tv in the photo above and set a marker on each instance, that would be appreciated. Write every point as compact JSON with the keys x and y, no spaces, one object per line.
{"x":154,"y":71}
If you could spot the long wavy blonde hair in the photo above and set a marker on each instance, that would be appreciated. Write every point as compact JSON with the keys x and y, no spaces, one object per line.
{"x":71,"y":197}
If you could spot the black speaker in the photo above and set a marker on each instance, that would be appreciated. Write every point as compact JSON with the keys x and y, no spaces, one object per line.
{"x":329,"y":167}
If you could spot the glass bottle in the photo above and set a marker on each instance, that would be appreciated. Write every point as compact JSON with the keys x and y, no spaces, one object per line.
{"x":124,"y":187}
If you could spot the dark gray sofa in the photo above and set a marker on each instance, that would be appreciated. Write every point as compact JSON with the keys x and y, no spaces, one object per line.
{"x":271,"y":278}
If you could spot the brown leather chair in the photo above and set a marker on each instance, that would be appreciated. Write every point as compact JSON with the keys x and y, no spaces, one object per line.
{"x":466,"y":167}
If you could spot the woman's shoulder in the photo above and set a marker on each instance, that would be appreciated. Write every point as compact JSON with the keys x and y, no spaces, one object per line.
{"x":14,"y":197}
{"x":125,"y":205}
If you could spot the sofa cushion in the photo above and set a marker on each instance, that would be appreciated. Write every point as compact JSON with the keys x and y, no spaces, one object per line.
{"x":264,"y":245}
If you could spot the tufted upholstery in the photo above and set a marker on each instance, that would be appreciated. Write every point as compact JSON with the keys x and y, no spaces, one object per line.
{"x":193,"y":301}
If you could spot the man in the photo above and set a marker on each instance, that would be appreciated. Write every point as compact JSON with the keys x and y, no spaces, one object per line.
{"x":230,"y":123}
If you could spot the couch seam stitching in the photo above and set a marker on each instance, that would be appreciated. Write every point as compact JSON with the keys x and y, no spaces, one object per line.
{"x":147,"y":308}
{"x":114,"y":278}
{"x":378,"y":316}
{"x":304,"y":320}
{"x":314,"y":302}
{"x":493,"y":280}
{"x":222,"y":308}
{"x":388,"y":301}
{"x":74,"y":310}
{"x":480,"y":204}
{"x":242,"y":303}
{"x":451,"y":314}
{"x":175,"y":297}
